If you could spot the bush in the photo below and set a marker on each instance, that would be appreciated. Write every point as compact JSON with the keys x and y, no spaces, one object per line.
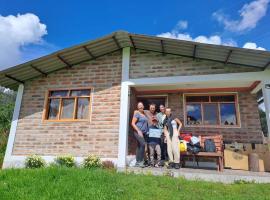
{"x":107,"y":164}
{"x":92,"y":161}
{"x":34,"y":161}
{"x":65,"y":161}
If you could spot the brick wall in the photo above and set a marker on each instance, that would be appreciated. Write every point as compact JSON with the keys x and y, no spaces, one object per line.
{"x":150,"y":64}
{"x":250,"y":130}
{"x":100,"y":136}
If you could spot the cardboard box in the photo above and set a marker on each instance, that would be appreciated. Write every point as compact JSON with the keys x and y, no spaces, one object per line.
{"x":236,"y":156}
{"x":266,"y":160}
{"x":235,"y":159}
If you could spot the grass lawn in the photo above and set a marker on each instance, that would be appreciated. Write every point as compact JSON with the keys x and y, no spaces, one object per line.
{"x":57,"y":183}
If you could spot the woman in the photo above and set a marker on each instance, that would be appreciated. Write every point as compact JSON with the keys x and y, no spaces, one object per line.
{"x":140,"y":125}
{"x":172,"y":126}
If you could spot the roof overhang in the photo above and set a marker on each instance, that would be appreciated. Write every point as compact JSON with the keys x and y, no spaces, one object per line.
{"x":221,"y":86}
{"x":94,"y":49}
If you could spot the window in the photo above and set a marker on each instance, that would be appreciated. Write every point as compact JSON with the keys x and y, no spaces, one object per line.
{"x":211,"y":110}
{"x":70,"y":104}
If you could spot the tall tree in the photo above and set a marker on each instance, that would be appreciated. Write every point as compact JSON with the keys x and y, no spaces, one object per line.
{"x":7,"y":100}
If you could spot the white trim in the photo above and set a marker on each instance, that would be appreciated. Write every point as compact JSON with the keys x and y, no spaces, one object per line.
{"x":19,"y":161}
{"x":257,"y":88}
{"x":212,"y":126}
{"x":210,"y":78}
{"x":124,"y":110}
{"x":13,"y":128}
{"x":125,"y":63}
{"x":156,"y":95}
{"x":266,"y":97}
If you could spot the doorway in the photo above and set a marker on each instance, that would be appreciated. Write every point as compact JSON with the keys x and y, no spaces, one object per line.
{"x":148,"y":99}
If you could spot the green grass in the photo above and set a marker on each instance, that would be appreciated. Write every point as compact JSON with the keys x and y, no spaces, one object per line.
{"x":57,"y":183}
{"x":3,"y":143}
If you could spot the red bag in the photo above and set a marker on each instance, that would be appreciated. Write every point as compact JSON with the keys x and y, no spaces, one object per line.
{"x":186,"y":136}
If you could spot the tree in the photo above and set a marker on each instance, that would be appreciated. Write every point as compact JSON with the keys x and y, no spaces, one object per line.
{"x":7,"y":101}
{"x":263,"y":122}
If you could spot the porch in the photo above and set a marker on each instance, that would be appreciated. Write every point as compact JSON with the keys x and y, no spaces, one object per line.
{"x":173,"y":91}
{"x":228,"y":176}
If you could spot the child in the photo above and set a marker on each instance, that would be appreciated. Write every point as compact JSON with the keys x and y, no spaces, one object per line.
{"x":154,"y":141}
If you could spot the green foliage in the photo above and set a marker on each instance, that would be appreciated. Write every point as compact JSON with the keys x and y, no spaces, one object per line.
{"x":7,"y":100}
{"x":263,"y":122}
{"x":92,"y":161}
{"x":34,"y":161}
{"x":78,"y":183}
{"x":65,"y":161}
{"x":244,"y":182}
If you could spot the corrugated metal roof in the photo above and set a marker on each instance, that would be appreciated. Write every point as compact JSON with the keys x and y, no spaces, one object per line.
{"x":11,"y":77}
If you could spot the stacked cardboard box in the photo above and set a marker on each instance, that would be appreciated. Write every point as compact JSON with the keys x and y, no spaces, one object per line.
{"x":236,"y":155}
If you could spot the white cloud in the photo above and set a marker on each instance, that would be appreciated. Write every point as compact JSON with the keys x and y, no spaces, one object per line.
{"x":252,"y":45}
{"x":17,"y":32}
{"x":250,"y":15}
{"x":213,"y":39}
{"x":181,"y":25}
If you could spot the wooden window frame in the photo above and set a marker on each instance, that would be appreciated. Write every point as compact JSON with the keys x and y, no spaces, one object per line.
{"x":47,"y":101}
{"x":236,"y":104}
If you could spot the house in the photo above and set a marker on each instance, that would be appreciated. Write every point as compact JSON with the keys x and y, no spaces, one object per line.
{"x":79,"y":100}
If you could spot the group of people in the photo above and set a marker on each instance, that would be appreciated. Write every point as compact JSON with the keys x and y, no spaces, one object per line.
{"x":154,"y":131}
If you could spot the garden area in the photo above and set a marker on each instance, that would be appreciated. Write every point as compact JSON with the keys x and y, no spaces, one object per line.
{"x":97,"y":183}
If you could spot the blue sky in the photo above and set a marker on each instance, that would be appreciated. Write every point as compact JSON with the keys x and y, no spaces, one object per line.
{"x":53,"y":25}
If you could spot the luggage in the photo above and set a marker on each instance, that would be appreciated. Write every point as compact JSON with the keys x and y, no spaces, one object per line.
{"x":194,"y":140}
{"x":182,"y":146}
{"x":185,"y":136}
{"x":209,"y":145}
{"x":194,"y":149}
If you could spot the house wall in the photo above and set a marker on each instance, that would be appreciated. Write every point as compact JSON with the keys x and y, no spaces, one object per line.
{"x":150,"y":64}
{"x":249,"y":132}
{"x":100,"y":136}
{"x":145,"y":64}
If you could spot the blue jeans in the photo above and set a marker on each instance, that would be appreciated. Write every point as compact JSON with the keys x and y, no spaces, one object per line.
{"x":140,"y":147}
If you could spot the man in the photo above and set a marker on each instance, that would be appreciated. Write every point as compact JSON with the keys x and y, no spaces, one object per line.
{"x":161,"y":117}
{"x":151,"y":114}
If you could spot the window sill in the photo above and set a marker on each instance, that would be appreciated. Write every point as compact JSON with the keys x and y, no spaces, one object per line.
{"x":212,"y":126}
{"x":67,"y":120}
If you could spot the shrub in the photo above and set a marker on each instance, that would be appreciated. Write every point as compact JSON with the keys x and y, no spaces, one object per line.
{"x":34,"y":161}
{"x":107,"y":164}
{"x":65,"y":161}
{"x":92,"y":161}
{"x":240,"y":182}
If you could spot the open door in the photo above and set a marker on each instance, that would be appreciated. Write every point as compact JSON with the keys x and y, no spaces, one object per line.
{"x":147,"y":100}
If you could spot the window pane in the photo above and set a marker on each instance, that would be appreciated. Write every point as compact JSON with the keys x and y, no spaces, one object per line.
{"x":194,"y":115}
{"x":210,"y":114}
{"x":83,"y":108}
{"x":60,"y":93}
{"x":197,"y":99}
{"x":226,"y":98}
{"x":228,"y":114}
{"x":80,"y":93}
{"x":53,"y":108}
{"x":67,"y":109}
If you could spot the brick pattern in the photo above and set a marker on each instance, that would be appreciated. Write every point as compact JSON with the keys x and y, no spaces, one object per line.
{"x":150,"y":64}
{"x":250,"y":130}
{"x":100,"y":136}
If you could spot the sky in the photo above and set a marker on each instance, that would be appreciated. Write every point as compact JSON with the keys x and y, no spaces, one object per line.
{"x":30,"y":29}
